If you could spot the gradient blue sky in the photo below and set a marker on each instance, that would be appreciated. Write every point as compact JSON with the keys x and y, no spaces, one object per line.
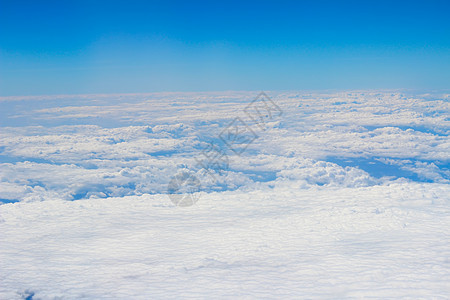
{"x":71,"y":47}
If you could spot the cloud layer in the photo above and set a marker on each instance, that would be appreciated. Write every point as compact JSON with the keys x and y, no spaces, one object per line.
{"x":343,"y":195}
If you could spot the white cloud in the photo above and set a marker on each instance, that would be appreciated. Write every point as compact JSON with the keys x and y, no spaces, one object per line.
{"x":345,"y":194}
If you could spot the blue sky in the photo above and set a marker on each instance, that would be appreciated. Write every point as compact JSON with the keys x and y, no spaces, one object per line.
{"x":62,"y":47}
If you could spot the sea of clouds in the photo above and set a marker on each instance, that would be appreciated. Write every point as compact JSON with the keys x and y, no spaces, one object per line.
{"x":341,"y":194}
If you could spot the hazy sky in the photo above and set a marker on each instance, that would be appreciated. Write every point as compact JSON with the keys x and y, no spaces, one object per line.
{"x":62,"y":47}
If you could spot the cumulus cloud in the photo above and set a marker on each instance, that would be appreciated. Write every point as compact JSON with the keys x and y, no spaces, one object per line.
{"x":345,"y":190}
{"x":155,"y":134}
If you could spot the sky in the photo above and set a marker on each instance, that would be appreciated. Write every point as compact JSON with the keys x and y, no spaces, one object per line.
{"x":62,"y":47}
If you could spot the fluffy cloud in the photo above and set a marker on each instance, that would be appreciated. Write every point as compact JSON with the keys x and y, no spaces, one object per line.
{"x":345,"y":194}
{"x":156,"y":134}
